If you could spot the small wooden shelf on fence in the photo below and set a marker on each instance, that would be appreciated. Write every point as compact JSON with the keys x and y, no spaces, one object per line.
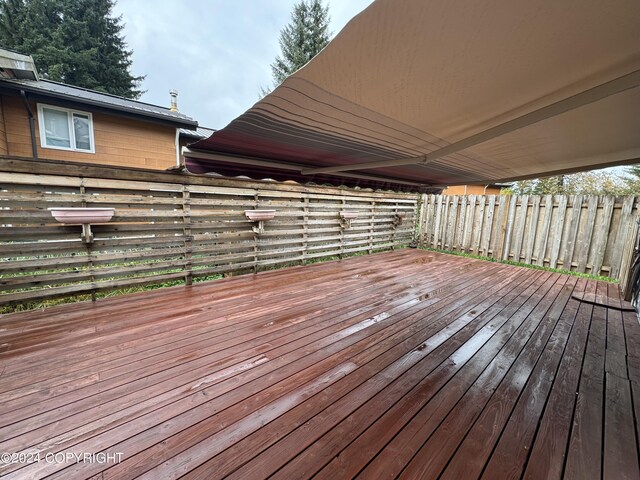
{"x":84,"y":216}
{"x":397,"y":220}
{"x":346,"y":217}
{"x":259,"y":216}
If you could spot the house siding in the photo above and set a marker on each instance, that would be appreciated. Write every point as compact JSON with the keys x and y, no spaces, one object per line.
{"x":4,"y":149}
{"x":471,"y":190}
{"x":119,"y":141}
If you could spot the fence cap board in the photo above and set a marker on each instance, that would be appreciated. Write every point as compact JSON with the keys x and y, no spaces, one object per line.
{"x":87,"y":170}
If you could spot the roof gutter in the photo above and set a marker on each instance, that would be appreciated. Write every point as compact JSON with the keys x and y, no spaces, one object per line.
{"x":132,"y":112}
{"x":32,"y":124}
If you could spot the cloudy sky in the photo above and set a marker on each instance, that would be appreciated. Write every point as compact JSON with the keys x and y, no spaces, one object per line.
{"x":216,"y":53}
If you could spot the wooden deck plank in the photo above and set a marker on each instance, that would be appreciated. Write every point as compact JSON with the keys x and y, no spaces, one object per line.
{"x":255,"y":297}
{"x":509,"y":369}
{"x":112,"y":369}
{"x":355,"y":457}
{"x":616,"y":352}
{"x":620,"y":449}
{"x":179,"y":423}
{"x":383,"y":303}
{"x":120,"y":414}
{"x":357,"y":454}
{"x":632,"y":339}
{"x":467,"y":321}
{"x":584,"y":459}
{"x":191,"y":301}
{"x":548,"y":451}
{"x":406,"y":445}
{"x":410,"y":322}
{"x":392,"y":364}
{"x":473,"y":453}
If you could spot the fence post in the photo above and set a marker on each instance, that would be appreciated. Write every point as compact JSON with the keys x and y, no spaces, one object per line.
{"x":621,"y":242}
{"x":508,"y":229}
{"x":305,"y":229}
{"x":629,"y":253}
{"x":186,"y":225}
{"x":421,"y":219}
{"x":372,"y":217}
{"x":478,"y":226}
{"x":88,"y":244}
{"x":627,"y":270}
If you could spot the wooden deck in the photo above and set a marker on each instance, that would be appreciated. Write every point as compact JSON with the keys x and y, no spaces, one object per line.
{"x":405,"y":364}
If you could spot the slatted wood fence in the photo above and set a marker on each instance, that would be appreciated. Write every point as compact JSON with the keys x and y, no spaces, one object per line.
{"x":588,"y":234}
{"x":170,"y":226}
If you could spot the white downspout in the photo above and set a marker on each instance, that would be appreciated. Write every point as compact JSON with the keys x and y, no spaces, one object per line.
{"x":173,"y":94}
{"x":178,"y":159}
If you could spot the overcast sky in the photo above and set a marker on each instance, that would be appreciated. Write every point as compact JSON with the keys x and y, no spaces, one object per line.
{"x":216,"y":53}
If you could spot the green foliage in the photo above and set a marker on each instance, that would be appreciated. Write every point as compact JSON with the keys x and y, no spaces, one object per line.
{"x":302,"y":39}
{"x":72,"y":41}
{"x":596,"y":182}
{"x":632,"y":180}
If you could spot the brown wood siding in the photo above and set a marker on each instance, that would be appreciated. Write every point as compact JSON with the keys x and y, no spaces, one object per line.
{"x":119,"y":141}
{"x":471,"y":190}
{"x":4,"y":150}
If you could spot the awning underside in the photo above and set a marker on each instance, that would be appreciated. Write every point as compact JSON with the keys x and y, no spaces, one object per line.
{"x":445,"y":93}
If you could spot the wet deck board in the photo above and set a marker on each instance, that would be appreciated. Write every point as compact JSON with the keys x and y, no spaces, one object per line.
{"x":406,"y":364}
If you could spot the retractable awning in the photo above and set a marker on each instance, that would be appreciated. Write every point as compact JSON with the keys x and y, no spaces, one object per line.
{"x":416,"y":94}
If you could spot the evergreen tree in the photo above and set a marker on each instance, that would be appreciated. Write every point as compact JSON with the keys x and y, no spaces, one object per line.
{"x":72,"y":41}
{"x":632,"y":180}
{"x":302,"y":39}
{"x":12,"y":22}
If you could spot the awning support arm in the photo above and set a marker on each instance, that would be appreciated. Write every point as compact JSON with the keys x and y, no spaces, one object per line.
{"x":244,"y":160}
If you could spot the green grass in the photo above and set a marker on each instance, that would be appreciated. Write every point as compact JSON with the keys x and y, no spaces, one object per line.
{"x":526,"y":265}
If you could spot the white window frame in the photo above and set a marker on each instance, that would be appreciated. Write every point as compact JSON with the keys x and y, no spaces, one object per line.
{"x":72,"y":133}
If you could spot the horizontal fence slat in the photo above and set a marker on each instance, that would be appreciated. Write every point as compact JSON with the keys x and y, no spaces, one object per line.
{"x":170,"y":227}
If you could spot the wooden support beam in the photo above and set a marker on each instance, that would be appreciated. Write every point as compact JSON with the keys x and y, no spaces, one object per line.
{"x":260,"y":162}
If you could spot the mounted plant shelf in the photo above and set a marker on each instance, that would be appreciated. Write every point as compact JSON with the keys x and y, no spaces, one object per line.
{"x":346,"y":217}
{"x":397,"y":220}
{"x":82,"y":216}
{"x":259,"y":216}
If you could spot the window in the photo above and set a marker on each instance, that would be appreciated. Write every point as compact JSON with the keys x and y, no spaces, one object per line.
{"x":65,"y":129}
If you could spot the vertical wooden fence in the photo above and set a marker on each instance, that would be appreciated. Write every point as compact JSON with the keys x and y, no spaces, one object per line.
{"x":588,"y":234}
